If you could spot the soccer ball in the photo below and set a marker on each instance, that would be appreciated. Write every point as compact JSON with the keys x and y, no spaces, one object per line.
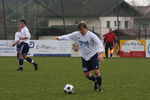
{"x":68,"y":89}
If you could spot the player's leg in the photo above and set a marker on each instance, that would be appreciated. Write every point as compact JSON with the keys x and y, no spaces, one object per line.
{"x":95,"y":69}
{"x":89,"y":76}
{"x":17,"y":55}
{"x":28,"y":59}
{"x":20,"y":63}
{"x":32,"y":62}
{"x":106,"y":50}
{"x":18,"y":49}
{"x":20,"y":57}
{"x":111,"y":46}
{"x":98,"y":77}
{"x":86,"y":70}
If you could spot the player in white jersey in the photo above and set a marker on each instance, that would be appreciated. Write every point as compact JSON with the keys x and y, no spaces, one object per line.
{"x":91,"y":51}
{"x":24,"y":46}
{"x":17,"y":42}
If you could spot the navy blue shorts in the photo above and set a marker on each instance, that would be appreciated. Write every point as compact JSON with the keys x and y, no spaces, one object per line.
{"x":91,"y":64}
{"x":24,"y":48}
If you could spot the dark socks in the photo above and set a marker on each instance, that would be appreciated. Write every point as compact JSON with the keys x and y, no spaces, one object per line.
{"x":99,"y":80}
{"x":30,"y":60}
{"x":21,"y":62}
{"x":92,"y":78}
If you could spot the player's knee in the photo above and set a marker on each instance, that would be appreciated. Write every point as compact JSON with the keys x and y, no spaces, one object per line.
{"x":20,"y":56}
{"x":97,"y":72}
{"x":87,"y":74}
{"x":24,"y":56}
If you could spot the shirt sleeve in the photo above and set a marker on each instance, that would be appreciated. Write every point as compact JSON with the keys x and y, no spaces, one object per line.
{"x":115,"y":36}
{"x":71,"y":36}
{"x":98,"y":42}
{"x":104,"y":35}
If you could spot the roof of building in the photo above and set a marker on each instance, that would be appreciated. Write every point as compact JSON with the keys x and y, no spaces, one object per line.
{"x":124,"y":9}
{"x":144,"y":10}
{"x":89,"y":8}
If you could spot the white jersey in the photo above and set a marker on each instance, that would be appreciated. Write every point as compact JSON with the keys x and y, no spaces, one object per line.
{"x":89,"y":44}
{"x":17,"y":35}
{"x":25,"y":33}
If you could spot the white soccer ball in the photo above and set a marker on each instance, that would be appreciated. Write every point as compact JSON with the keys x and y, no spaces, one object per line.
{"x":68,"y":89}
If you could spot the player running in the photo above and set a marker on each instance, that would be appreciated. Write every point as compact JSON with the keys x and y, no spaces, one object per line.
{"x":17,"y":42}
{"x":91,"y":51}
{"x":24,"y":46}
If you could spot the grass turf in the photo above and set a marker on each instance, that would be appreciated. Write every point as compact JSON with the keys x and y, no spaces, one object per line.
{"x":123,"y":79}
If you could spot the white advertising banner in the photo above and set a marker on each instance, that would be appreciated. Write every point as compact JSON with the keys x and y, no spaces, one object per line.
{"x":50,"y":48}
{"x":38,"y":48}
{"x":6,"y":49}
{"x":148,"y":48}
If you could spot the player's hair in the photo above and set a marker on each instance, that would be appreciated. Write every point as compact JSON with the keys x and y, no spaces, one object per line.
{"x":82,"y":24}
{"x":23,"y":21}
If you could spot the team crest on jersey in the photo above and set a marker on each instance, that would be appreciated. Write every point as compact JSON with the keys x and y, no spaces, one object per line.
{"x":84,"y":43}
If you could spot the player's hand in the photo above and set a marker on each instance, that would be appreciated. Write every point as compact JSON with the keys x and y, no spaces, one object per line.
{"x":56,"y":38}
{"x":13,"y":45}
{"x":100,"y":57}
{"x":21,"y":38}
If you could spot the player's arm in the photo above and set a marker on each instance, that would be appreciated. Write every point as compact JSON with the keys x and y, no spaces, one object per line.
{"x":23,"y":38}
{"x":15,"y":43}
{"x":105,"y":36}
{"x":70,"y":36}
{"x":100,"y":56}
{"x":27,"y":35}
{"x":100,"y":47}
{"x":16,"y":40}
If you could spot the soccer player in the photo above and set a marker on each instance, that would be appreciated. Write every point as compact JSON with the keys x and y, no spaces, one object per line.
{"x":17,"y":42}
{"x":91,"y":51}
{"x":109,"y":41}
{"x":24,"y":46}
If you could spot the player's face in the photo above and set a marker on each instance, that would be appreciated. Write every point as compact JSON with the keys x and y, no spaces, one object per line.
{"x":110,"y":30}
{"x":21,"y":24}
{"x":83,"y":31}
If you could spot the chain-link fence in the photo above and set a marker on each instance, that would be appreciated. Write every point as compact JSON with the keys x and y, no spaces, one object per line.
{"x":58,"y":17}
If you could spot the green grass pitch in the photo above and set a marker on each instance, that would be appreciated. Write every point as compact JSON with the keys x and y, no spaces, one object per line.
{"x":123,"y":79}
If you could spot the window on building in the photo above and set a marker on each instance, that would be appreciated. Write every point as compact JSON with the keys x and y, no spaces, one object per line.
{"x":115,"y":23}
{"x":126,"y":24}
{"x":108,"y":24}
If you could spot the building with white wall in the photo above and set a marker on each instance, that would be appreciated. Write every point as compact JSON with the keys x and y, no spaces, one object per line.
{"x":99,"y":14}
{"x":111,"y":22}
